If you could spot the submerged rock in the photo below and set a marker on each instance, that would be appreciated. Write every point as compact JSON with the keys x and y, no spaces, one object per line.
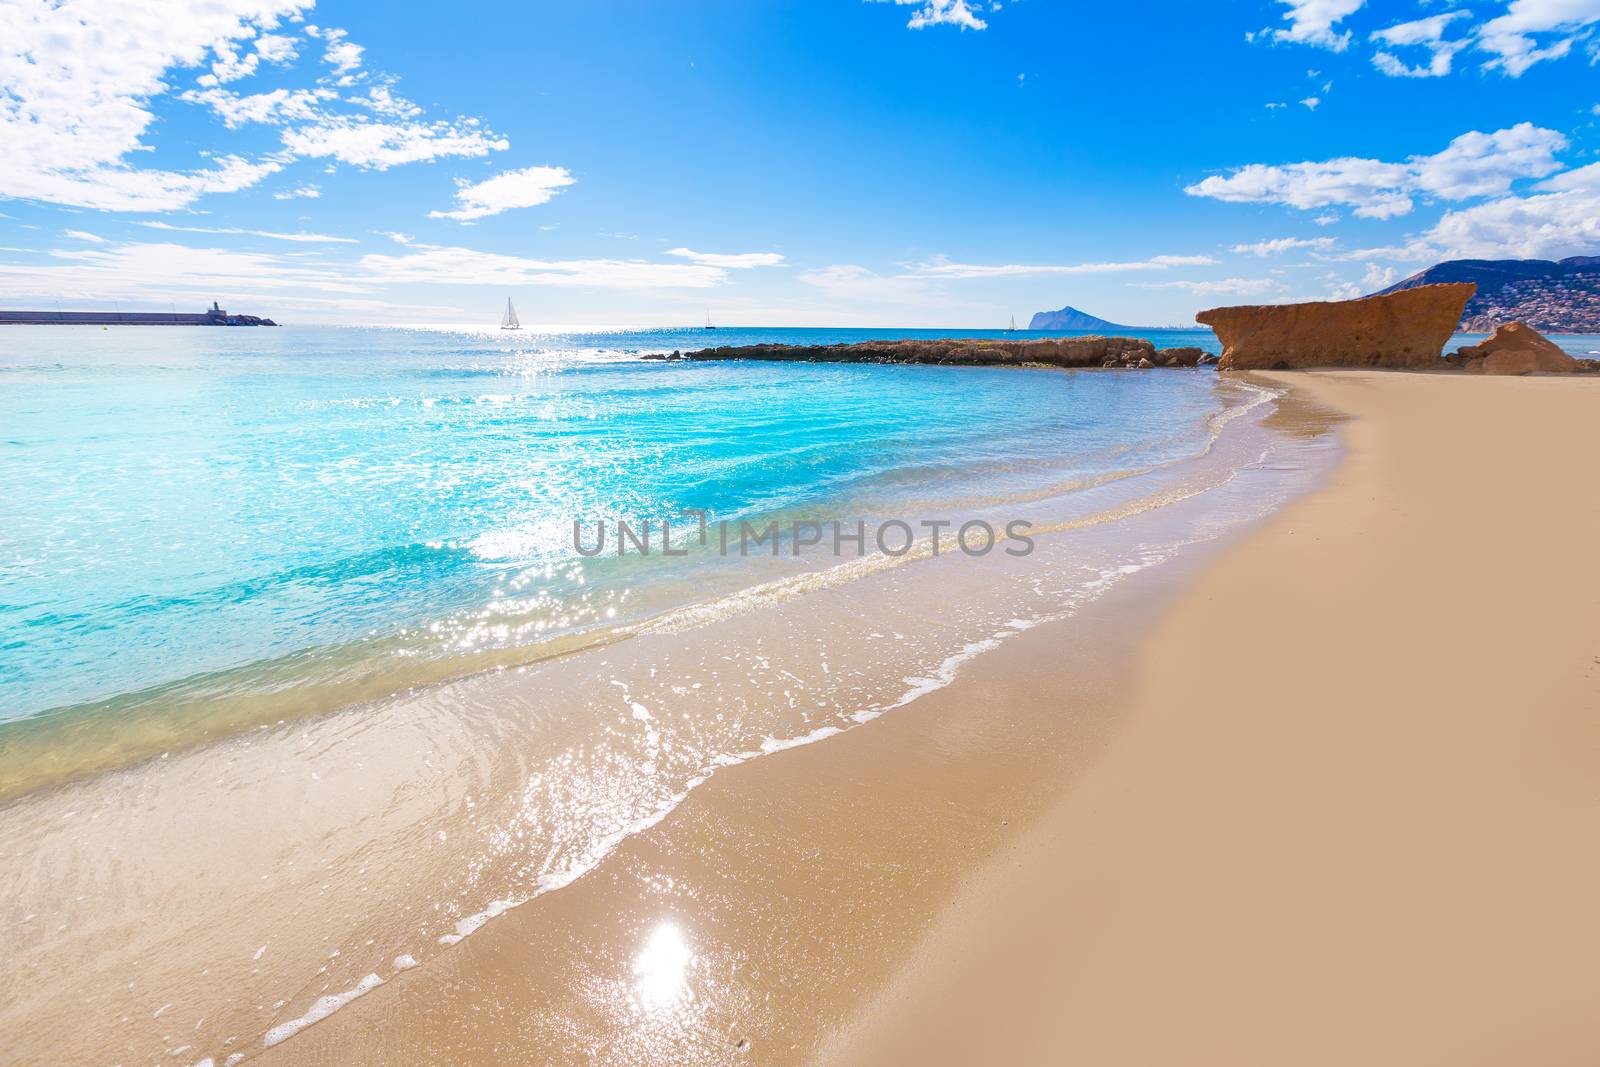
{"x":1405,"y":329}
{"x":1515,"y":348}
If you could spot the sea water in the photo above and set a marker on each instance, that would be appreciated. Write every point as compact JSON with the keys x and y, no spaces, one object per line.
{"x":199,"y":515}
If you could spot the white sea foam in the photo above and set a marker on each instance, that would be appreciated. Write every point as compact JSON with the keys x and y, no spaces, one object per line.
{"x":324,"y":1007}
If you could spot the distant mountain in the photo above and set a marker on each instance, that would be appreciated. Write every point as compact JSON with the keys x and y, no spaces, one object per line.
{"x":1070,"y":318}
{"x":1554,"y":296}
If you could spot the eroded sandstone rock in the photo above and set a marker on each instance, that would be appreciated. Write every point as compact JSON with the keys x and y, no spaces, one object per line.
{"x":1405,"y":329}
{"x":1516,"y":348}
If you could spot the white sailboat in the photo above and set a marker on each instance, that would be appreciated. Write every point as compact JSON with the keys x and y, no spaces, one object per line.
{"x":509,"y":321}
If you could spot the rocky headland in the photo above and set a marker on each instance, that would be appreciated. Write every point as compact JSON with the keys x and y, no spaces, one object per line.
{"x":1407,"y":329}
{"x":1095,"y":351}
{"x":1561,"y":296}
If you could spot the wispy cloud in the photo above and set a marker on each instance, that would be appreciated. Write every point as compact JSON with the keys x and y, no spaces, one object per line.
{"x":1315,"y":22}
{"x":506,"y":191}
{"x":942,"y":13}
{"x":1532,"y":31}
{"x":1230,"y":286}
{"x":1278,"y":246}
{"x":302,"y":238}
{"x":1473,"y":165}
{"x":464,"y":266}
{"x":305,"y":192}
{"x":945,"y":270}
{"x":80,"y":235}
{"x":1427,"y":33}
{"x":77,"y":110}
{"x":735,"y":261}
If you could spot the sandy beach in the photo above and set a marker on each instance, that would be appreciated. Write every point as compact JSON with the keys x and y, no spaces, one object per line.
{"x":1350,"y":816}
{"x":1338,"y":806}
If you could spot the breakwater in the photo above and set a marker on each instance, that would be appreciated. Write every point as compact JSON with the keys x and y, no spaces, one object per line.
{"x":213,"y":316}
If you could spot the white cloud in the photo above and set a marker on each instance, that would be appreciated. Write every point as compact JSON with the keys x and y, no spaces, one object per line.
{"x":1230,"y":286}
{"x":76,"y":78}
{"x":943,"y":13}
{"x":1311,"y":102}
{"x":1561,"y":219}
{"x":465,"y":266}
{"x":275,"y":106}
{"x":382,"y":100}
{"x":1485,"y":164}
{"x":302,"y":192}
{"x":79,"y":80}
{"x":857,"y":284}
{"x":505,"y":191}
{"x":738,"y":261}
{"x":953,"y":271}
{"x":1280,"y":245}
{"x":1327,"y":218}
{"x":302,"y":238}
{"x":1427,"y":33}
{"x":1313,"y":21}
{"x":1378,"y":277}
{"x":80,"y":235}
{"x":338,"y":51}
{"x":373,"y":145}
{"x":276,"y":48}
{"x":1511,"y":39}
{"x":1474,"y":164}
{"x":162,"y":271}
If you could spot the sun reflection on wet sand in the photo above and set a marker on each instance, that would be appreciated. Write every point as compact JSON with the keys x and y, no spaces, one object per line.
{"x":661,"y":970}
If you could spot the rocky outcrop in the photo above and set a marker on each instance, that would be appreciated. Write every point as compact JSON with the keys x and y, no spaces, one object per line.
{"x":1107,"y":352}
{"x":1404,"y":329}
{"x":1515,"y":348}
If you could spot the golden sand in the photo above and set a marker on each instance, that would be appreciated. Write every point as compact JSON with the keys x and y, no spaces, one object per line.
{"x":1351,"y":816}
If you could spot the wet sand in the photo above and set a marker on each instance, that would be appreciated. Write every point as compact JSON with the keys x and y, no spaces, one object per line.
{"x":1351,"y":815}
{"x":756,"y":919}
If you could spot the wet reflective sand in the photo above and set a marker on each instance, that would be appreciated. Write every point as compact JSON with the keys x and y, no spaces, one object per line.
{"x":634,"y":854}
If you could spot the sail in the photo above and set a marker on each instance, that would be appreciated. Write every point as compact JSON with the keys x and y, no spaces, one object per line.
{"x":510,"y":321}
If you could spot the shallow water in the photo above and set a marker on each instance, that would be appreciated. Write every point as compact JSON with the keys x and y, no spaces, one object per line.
{"x":208,"y":529}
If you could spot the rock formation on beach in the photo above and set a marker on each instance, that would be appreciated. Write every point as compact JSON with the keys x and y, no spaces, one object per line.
{"x":1515,"y":348}
{"x":1405,"y":329}
{"x":965,"y":351}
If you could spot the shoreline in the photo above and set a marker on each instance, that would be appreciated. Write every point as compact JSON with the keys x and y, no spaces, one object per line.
{"x":389,"y":833}
{"x":785,"y":887}
{"x":1359,"y":833}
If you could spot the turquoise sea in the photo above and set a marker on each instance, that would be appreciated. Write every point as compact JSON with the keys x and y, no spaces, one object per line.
{"x":195,"y":516}
{"x":185,"y":507}
{"x":188,"y":508}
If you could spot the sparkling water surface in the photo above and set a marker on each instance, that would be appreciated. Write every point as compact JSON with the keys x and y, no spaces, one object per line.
{"x":183,"y":502}
{"x":180,"y":502}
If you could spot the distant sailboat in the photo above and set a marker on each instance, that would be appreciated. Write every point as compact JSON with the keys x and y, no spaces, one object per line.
{"x":509,"y":322}
{"x":708,"y":320}
{"x":1013,"y":328}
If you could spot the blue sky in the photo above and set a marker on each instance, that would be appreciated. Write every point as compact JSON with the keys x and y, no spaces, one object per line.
{"x":851,"y":162}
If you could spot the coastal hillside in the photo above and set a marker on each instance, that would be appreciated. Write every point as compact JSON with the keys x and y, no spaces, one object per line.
{"x":1555,"y":296}
{"x":1070,"y":318}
